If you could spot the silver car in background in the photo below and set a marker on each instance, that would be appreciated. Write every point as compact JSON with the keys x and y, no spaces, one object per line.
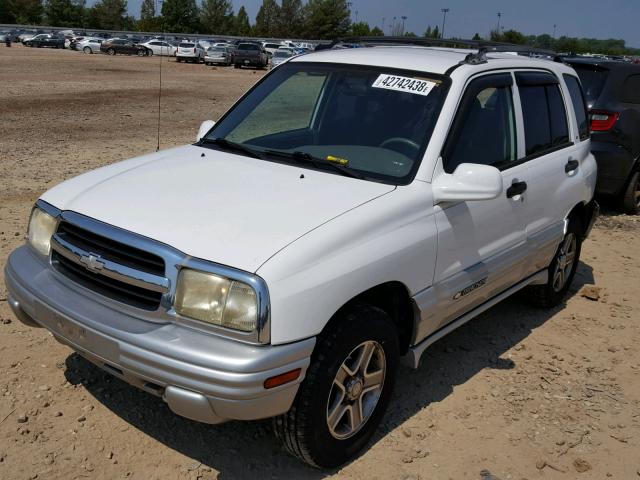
{"x":218,"y":55}
{"x":89,"y":45}
{"x":281,"y":56}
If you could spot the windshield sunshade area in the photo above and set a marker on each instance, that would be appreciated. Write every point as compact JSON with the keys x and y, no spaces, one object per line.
{"x":373,"y":121}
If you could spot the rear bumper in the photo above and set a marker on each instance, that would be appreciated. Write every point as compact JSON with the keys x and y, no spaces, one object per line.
{"x":201,"y":376}
{"x":615,"y":163}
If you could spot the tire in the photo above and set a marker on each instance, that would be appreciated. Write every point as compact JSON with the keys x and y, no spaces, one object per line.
{"x":149,"y":53}
{"x":236,"y":65}
{"x":141,"y":53}
{"x":179,"y":60}
{"x":561,"y":274}
{"x":304,"y":429}
{"x":631,"y":195}
{"x":87,"y":50}
{"x":111,"y":51}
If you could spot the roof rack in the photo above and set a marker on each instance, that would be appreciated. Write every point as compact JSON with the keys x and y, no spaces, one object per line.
{"x":483,"y":46}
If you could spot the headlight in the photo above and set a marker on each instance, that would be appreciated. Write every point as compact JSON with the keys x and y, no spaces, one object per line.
{"x":42,"y":226}
{"x":216,"y":300}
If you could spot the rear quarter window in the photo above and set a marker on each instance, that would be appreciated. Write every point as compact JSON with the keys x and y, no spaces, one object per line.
{"x":579,"y":105}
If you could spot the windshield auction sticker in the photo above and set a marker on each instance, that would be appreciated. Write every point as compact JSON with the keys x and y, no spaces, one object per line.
{"x":404,"y":84}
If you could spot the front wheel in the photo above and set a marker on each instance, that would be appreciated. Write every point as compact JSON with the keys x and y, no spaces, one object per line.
{"x":111,"y":51}
{"x":561,"y":270}
{"x":87,"y":50}
{"x":631,"y":196}
{"x":346,"y":390}
{"x":141,"y":53}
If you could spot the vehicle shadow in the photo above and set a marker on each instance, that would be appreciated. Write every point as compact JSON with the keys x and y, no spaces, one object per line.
{"x":249,"y":449}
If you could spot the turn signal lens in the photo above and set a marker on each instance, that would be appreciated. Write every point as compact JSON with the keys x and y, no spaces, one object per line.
{"x":282,"y":378}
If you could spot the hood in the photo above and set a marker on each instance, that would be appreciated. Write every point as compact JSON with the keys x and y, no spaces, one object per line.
{"x":213,"y":205}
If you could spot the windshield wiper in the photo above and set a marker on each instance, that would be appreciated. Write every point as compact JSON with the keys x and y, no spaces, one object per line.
{"x":231,"y":146}
{"x":304,"y":157}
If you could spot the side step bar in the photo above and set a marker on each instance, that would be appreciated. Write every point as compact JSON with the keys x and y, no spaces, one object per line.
{"x":412,"y":358}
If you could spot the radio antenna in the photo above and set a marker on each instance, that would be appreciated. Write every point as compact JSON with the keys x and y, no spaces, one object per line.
{"x":158,"y":2}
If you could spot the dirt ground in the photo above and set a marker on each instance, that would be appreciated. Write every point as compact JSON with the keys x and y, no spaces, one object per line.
{"x":518,"y":393}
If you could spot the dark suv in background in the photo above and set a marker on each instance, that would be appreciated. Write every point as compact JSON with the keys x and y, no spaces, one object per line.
{"x":612,"y":91}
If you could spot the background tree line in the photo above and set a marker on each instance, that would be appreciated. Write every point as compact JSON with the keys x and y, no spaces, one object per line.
{"x":313,"y":19}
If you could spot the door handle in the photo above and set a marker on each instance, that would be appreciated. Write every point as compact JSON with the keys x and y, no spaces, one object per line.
{"x":571,"y":166}
{"x":516,"y":188}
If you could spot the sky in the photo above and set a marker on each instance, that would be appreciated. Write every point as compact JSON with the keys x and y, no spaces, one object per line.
{"x":574,"y":18}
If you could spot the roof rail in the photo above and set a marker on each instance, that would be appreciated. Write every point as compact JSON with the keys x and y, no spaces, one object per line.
{"x":483,"y":46}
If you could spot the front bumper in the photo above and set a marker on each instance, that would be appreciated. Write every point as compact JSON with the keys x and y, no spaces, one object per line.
{"x":201,"y":376}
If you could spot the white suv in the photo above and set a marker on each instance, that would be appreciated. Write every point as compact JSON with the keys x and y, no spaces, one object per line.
{"x":352,"y":208}
{"x":190,"y":52}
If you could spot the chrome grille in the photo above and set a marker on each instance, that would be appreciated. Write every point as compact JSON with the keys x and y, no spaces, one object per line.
{"x":113,"y":269}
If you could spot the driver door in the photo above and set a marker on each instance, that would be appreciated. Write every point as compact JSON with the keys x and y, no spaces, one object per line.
{"x":481,"y":244}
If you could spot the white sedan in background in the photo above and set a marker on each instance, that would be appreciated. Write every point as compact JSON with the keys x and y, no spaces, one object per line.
{"x":161,"y":47}
{"x":90,"y":45}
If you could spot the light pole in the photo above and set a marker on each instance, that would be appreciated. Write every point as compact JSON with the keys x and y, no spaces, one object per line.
{"x":356,"y":16}
{"x":499,"y":16}
{"x":444,"y":19}
{"x":554,"y":31}
{"x":383,"y":19}
{"x":393,"y":26}
{"x":403,"y":17}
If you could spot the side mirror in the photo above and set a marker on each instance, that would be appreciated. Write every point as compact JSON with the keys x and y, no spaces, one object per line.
{"x":469,"y":181}
{"x":204,"y":128}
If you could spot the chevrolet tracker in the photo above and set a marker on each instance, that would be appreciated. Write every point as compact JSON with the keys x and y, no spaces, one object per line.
{"x":352,"y":208}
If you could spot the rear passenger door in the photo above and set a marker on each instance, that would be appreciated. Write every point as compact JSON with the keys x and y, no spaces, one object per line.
{"x":553,"y":154}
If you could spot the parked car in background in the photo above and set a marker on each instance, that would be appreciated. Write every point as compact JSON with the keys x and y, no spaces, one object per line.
{"x":190,"y":52}
{"x":160,"y":47}
{"x":612,"y":91}
{"x":280,"y":56}
{"x":123,"y":46}
{"x":271,"y":47}
{"x":219,"y":55}
{"x":90,"y":45}
{"x":72,"y":43}
{"x":250,"y":55}
{"x":27,"y":34}
{"x":45,"y":40}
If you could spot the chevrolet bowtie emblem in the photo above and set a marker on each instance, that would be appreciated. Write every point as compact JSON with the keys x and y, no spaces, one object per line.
{"x":92,"y":262}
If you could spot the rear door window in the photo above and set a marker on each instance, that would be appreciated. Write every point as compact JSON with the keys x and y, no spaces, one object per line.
{"x":543,"y":111}
{"x":579,"y":105}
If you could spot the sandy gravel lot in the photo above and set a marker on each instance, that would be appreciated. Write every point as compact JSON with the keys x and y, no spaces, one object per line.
{"x":518,"y":393}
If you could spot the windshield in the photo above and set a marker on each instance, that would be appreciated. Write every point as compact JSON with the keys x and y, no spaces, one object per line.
{"x":373,"y":120}
{"x":281,"y":54}
{"x":247,"y":46}
{"x":592,"y":79}
{"x":187,"y":45}
{"x":217,"y":49}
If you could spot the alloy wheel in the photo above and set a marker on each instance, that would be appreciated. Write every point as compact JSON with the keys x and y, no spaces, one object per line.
{"x":565,"y":261}
{"x":356,"y":390}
